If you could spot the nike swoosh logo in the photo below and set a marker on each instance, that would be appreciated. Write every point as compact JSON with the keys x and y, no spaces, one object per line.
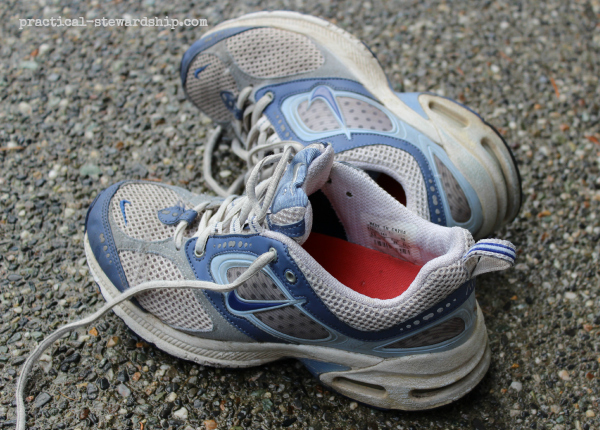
{"x":199,"y":70}
{"x":122,"y":203}
{"x":324,"y":93}
{"x":237,"y":305}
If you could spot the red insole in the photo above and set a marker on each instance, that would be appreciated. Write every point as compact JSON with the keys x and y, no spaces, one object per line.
{"x":367,"y":271}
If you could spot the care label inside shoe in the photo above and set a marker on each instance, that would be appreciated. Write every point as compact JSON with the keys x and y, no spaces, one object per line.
{"x":393,"y":237}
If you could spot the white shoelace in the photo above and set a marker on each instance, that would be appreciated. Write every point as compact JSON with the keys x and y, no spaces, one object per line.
{"x":254,"y":138}
{"x":244,"y":214}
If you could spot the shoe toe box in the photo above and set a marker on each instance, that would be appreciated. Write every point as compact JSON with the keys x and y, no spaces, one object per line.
{"x":131,"y":212}
{"x":100,"y":237}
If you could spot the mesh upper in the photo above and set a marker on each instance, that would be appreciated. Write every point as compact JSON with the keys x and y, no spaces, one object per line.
{"x":400,"y":162}
{"x":288,"y":215}
{"x":457,"y":200}
{"x":356,"y":113}
{"x":205,"y":90}
{"x":259,"y":287}
{"x":293,"y":322}
{"x":440,"y":333}
{"x":360,"y":114}
{"x":272,"y":53}
{"x":319,"y":117}
{"x":366,"y":315}
{"x":179,"y":308}
{"x":287,"y":320}
{"x":145,"y":200}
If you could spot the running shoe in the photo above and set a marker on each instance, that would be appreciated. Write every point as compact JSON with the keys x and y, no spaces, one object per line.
{"x":316,"y":262}
{"x":281,"y":76}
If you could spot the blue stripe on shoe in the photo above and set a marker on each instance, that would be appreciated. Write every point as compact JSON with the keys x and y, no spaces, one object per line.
{"x":493,"y":247}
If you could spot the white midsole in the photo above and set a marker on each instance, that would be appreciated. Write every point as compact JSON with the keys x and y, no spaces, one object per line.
{"x":500,"y":201}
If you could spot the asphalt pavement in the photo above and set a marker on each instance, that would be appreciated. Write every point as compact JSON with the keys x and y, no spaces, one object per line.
{"x":84,"y":107}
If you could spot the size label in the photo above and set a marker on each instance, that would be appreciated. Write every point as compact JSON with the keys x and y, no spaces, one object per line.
{"x":392,"y":237}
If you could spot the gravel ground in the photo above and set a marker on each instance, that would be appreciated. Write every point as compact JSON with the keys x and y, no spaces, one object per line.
{"x":82,"y":108}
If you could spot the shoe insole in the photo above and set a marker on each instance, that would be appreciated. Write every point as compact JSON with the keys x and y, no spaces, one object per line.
{"x":366,"y":271}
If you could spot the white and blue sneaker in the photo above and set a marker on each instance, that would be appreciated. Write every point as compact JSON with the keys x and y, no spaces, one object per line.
{"x":317,"y":263}
{"x":281,"y":76}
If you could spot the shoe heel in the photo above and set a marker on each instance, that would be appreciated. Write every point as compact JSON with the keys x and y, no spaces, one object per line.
{"x":484,"y":142}
{"x":418,"y":381}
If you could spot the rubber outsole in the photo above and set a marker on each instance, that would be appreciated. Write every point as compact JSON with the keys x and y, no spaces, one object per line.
{"x":471,"y":143}
{"x":413,"y":382}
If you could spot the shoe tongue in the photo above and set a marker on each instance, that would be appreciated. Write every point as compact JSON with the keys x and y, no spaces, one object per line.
{"x":291,"y":212}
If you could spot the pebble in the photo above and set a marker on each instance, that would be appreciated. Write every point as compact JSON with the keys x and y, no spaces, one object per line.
{"x":84,"y":414}
{"x":353,"y":405}
{"x":210,"y":425}
{"x":103,"y":383}
{"x":564,"y":375}
{"x":92,"y":391}
{"x":590,"y":414}
{"x":14,"y":338}
{"x":89,"y":170}
{"x":45,"y":361}
{"x":123,"y":390}
{"x":171,"y":397}
{"x":181,"y":414}
{"x":42,"y":399}
{"x":516,"y":385}
{"x":25,"y":108}
{"x":44,"y":47}
{"x":29,"y":65}
{"x":113,"y":341}
{"x":122,"y":376}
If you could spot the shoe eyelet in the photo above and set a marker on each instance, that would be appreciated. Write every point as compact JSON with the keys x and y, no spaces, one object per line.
{"x":290,"y":276}
{"x":198,"y":255}
{"x":271,"y":249}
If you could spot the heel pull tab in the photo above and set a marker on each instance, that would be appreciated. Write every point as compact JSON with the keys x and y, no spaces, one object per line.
{"x":490,"y":255}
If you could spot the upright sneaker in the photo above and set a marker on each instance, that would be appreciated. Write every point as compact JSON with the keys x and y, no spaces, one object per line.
{"x":280,"y":76}
{"x":317,"y":262}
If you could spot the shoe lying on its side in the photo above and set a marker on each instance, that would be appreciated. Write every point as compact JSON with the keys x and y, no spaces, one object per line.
{"x":317,"y":263}
{"x":280,"y":76}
